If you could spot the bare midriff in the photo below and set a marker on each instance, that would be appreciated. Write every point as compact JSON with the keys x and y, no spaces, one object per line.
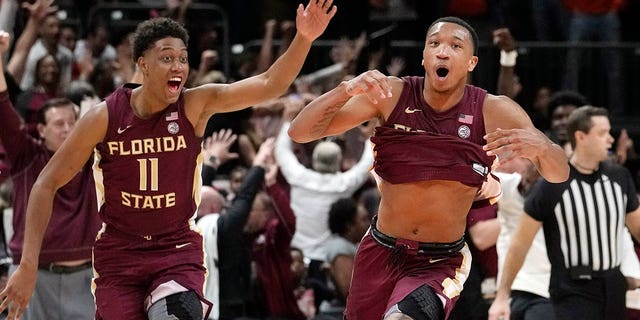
{"x":425,"y":211}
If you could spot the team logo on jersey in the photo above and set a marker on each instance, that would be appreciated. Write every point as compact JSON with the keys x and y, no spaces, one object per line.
{"x":464,"y":131}
{"x":410,"y":110}
{"x":173,"y":127}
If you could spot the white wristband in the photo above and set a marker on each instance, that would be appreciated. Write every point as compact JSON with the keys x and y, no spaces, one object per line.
{"x":508,"y":59}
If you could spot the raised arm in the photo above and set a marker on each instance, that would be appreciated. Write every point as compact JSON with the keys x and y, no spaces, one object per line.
{"x":351,"y":103}
{"x":503,"y":40}
{"x":37,"y":12}
{"x":511,"y":134}
{"x":311,"y":23}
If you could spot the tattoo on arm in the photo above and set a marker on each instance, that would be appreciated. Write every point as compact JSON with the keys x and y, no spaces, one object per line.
{"x":323,"y":122}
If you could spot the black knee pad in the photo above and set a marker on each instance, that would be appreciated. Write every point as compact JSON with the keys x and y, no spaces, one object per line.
{"x":182,"y":306}
{"x":422,"y":304}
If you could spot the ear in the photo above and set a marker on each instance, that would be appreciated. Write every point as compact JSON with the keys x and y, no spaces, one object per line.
{"x":472,"y":63}
{"x":40,"y":128}
{"x":579,"y":135}
{"x":422,"y":62}
{"x":143,"y":66}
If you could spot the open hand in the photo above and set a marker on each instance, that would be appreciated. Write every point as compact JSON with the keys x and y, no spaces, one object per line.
{"x":217,"y":147}
{"x":17,"y":293}
{"x":508,"y":144}
{"x":313,"y":20}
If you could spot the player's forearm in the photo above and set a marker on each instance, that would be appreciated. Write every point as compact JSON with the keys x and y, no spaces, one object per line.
{"x":287,"y":67}
{"x":38,"y":214}
{"x":314,"y":120}
{"x":553,"y":163}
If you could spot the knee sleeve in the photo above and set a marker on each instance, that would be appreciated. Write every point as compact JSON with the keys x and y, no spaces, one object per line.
{"x":422,"y":303}
{"x":180,"y":306}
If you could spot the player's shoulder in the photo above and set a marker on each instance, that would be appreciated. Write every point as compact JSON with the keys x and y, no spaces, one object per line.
{"x":504,"y":110}
{"x":499,"y":102}
{"x":204,"y":93}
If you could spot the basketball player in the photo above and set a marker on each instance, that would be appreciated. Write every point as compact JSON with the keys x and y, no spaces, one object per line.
{"x":434,"y":151}
{"x":146,"y":141}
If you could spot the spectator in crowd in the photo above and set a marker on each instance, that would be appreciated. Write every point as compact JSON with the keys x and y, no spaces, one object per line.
{"x":45,"y":87}
{"x":272,"y":224}
{"x":48,"y":42}
{"x":561,"y":104}
{"x":229,"y":246}
{"x":95,"y":48}
{"x":348,"y":222}
{"x":314,"y":189}
{"x":303,"y":294}
{"x":68,"y":37}
{"x":62,"y":286}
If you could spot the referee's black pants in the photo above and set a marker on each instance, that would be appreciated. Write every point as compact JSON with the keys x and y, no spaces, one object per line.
{"x":602,"y":297}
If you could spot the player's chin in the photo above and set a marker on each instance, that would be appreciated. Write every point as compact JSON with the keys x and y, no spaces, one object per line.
{"x":173,"y":95}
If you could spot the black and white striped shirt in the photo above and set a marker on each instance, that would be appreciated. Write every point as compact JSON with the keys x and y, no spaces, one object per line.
{"x":583,"y":218}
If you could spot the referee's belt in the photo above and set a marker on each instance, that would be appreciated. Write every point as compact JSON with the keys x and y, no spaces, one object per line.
{"x":61,"y":269}
{"x":410,"y":245}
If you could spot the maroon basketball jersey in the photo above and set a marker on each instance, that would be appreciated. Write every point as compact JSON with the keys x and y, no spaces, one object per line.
{"x":147,"y":171}
{"x":417,"y":143}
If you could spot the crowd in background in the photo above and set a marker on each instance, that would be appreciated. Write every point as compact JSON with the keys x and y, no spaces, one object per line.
{"x":294,"y":213}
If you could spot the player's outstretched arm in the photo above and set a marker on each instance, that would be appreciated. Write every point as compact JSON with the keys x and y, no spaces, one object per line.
{"x":311,"y":21}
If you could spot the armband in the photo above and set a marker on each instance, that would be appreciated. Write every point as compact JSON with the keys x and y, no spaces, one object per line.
{"x":508,"y":59}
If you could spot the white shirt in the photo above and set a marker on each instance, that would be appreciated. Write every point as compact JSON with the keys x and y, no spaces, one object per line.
{"x":536,"y":270}
{"x":38,"y":50}
{"x":312,"y":193}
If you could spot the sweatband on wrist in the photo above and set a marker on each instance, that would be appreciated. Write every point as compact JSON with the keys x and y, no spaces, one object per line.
{"x":508,"y":59}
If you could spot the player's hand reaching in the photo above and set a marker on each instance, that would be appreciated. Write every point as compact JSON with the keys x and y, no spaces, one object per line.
{"x":372,"y":83}
{"x":508,"y":144}
{"x":17,"y":293}
{"x":312,"y":20}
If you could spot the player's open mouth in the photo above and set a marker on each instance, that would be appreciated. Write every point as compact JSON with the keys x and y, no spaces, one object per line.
{"x":174,"y":84}
{"x":442,"y":72}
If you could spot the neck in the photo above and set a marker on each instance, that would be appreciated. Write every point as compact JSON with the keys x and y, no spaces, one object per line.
{"x":583,"y":166}
{"x":441,"y":101}
{"x":144,"y":106}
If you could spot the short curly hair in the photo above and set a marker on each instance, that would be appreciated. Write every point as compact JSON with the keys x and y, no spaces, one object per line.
{"x":152,"y":30}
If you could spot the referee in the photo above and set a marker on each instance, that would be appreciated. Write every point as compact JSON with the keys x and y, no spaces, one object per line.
{"x":583,"y":221}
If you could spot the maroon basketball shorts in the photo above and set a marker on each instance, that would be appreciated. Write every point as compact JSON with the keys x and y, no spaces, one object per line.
{"x":384,"y":275}
{"x":132,"y":272}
